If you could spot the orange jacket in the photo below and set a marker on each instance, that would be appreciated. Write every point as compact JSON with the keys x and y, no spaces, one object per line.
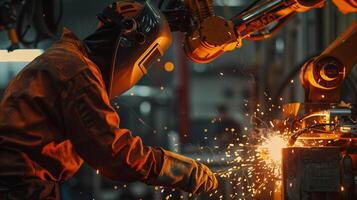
{"x":56,"y":113}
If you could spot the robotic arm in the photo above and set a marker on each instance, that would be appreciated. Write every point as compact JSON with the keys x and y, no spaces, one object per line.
{"x":326,"y":128}
{"x":209,"y":36}
{"x":323,"y":75}
{"x":322,"y":78}
{"x":213,"y":35}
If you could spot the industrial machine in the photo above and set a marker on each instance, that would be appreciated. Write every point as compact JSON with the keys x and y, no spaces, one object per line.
{"x":28,"y":22}
{"x":8,"y":22}
{"x":323,"y":165}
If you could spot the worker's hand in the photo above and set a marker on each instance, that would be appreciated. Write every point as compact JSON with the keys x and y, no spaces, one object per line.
{"x":185,"y":173}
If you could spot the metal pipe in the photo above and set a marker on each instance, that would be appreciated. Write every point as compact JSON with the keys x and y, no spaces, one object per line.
{"x":261,"y":8}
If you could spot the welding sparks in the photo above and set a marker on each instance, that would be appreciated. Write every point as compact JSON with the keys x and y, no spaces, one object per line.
{"x":249,"y":163}
{"x":271,"y":150}
{"x":255,"y":165}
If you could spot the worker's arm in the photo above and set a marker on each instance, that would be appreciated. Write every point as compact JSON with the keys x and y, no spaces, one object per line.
{"x":93,"y":127}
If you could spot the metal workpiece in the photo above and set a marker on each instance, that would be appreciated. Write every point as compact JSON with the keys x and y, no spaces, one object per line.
{"x":317,"y":173}
{"x":321,"y":161}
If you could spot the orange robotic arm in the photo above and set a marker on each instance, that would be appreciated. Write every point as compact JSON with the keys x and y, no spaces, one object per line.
{"x":211,"y":35}
{"x":346,"y":6}
{"x":323,"y":75}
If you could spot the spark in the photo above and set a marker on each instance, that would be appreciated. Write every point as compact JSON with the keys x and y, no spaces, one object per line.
{"x":271,"y":149}
{"x":251,"y":163}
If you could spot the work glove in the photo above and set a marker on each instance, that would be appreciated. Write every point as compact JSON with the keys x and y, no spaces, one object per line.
{"x":185,"y":173}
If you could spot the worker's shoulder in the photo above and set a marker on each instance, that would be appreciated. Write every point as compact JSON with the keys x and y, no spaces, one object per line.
{"x":67,"y":60}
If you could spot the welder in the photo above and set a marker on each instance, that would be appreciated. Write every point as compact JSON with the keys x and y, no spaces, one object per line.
{"x":56,"y":113}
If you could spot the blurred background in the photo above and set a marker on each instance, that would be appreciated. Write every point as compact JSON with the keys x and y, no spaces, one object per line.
{"x":195,"y":109}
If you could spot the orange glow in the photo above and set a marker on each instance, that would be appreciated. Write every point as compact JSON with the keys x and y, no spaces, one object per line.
{"x":169,"y":66}
{"x":271,"y":149}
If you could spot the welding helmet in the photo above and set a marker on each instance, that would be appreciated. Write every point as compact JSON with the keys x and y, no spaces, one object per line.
{"x":144,"y":37}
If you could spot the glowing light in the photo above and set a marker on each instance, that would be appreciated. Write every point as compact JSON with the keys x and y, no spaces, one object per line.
{"x":19,"y":55}
{"x":169,"y":66}
{"x":271,"y":149}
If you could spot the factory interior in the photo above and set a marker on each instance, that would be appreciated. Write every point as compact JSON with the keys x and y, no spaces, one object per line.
{"x":266,"y":99}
